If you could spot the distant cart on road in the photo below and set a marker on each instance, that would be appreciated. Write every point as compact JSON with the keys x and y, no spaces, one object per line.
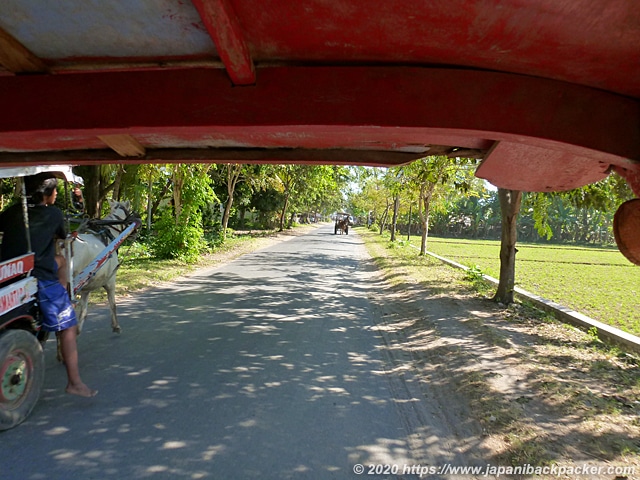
{"x":342,"y":223}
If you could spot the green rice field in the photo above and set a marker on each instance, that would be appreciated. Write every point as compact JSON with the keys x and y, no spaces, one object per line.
{"x":596,"y":281}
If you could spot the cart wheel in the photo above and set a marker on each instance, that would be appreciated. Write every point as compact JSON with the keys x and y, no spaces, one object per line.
{"x":21,"y":376}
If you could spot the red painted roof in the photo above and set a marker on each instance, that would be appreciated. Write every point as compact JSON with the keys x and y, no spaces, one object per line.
{"x":546,"y":91}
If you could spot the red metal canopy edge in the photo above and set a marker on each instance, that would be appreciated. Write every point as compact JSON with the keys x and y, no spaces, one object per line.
{"x":579,"y":130}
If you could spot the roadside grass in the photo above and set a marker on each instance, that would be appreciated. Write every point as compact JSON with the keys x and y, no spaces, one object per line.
{"x":596,"y":281}
{"x":575,"y":397}
{"x":405,"y":263}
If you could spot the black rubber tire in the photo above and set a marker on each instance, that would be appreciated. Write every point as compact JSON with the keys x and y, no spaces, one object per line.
{"x":21,"y":376}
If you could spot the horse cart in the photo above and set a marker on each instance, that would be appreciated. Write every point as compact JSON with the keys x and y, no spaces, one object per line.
{"x":21,"y":338}
{"x":343,"y":221}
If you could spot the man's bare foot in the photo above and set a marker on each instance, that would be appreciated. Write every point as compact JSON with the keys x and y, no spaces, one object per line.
{"x":81,"y":390}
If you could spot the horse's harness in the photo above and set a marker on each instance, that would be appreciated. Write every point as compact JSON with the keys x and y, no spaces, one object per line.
{"x":103,"y":228}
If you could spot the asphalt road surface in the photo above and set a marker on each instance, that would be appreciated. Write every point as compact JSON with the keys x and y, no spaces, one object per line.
{"x":267,"y":367}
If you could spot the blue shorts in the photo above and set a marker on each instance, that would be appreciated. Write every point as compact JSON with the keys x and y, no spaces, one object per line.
{"x":57,"y":312}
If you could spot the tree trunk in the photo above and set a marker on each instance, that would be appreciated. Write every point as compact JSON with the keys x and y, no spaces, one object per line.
{"x":149,"y":202}
{"x":92,"y":190}
{"x":394,"y":222}
{"x":158,"y":200}
{"x":425,"y":224}
{"x":509,"y":207}
{"x":178,"y":182}
{"x":384,"y":219}
{"x":424,"y":205}
{"x":284,"y":212}
{"x":291,"y":217}
{"x":242,"y":215}
{"x":117,"y":194}
{"x":225,"y":216}
{"x":233,"y":175}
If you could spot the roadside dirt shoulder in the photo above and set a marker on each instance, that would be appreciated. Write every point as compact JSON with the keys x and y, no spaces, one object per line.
{"x":525,"y":389}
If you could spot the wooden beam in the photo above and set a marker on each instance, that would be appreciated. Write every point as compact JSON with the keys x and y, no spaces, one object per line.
{"x":124,"y":145}
{"x":214,"y":155}
{"x":17,"y":58}
{"x":304,"y":100}
{"x":333,"y":107}
{"x":223,"y":26}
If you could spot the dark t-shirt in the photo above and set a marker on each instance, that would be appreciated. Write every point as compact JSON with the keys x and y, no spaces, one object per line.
{"x":46,"y":223}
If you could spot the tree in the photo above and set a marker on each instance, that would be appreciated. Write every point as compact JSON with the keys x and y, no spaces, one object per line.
{"x":303,"y":186}
{"x":266,"y":203}
{"x":372,"y":199}
{"x":323,"y":190}
{"x":395,"y":181}
{"x":98,"y":182}
{"x":510,"y":201}
{"x":430,"y":174}
{"x":394,"y":220}
{"x":154,"y":183}
{"x":288,"y":177}
{"x":179,"y":230}
{"x":577,"y":215}
{"x":230,"y":175}
{"x":117,"y":182}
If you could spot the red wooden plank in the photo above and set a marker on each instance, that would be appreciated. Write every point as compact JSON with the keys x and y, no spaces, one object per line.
{"x":310,"y":107}
{"x":17,"y":294}
{"x":224,"y":28}
{"x":16,"y":266}
{"x":460,"y":102}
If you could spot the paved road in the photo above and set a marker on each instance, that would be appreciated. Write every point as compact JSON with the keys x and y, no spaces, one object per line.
{"x":266,"y":367}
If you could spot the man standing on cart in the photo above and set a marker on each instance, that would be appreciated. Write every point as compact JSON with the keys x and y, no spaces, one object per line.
{"x":46,"y":224}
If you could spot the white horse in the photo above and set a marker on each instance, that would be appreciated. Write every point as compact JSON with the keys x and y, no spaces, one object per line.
{"x":86,"y":247}
{"x":92,"y":238}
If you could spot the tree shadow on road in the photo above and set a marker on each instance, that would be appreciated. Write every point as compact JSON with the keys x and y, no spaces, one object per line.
{"x":305,"y":364}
